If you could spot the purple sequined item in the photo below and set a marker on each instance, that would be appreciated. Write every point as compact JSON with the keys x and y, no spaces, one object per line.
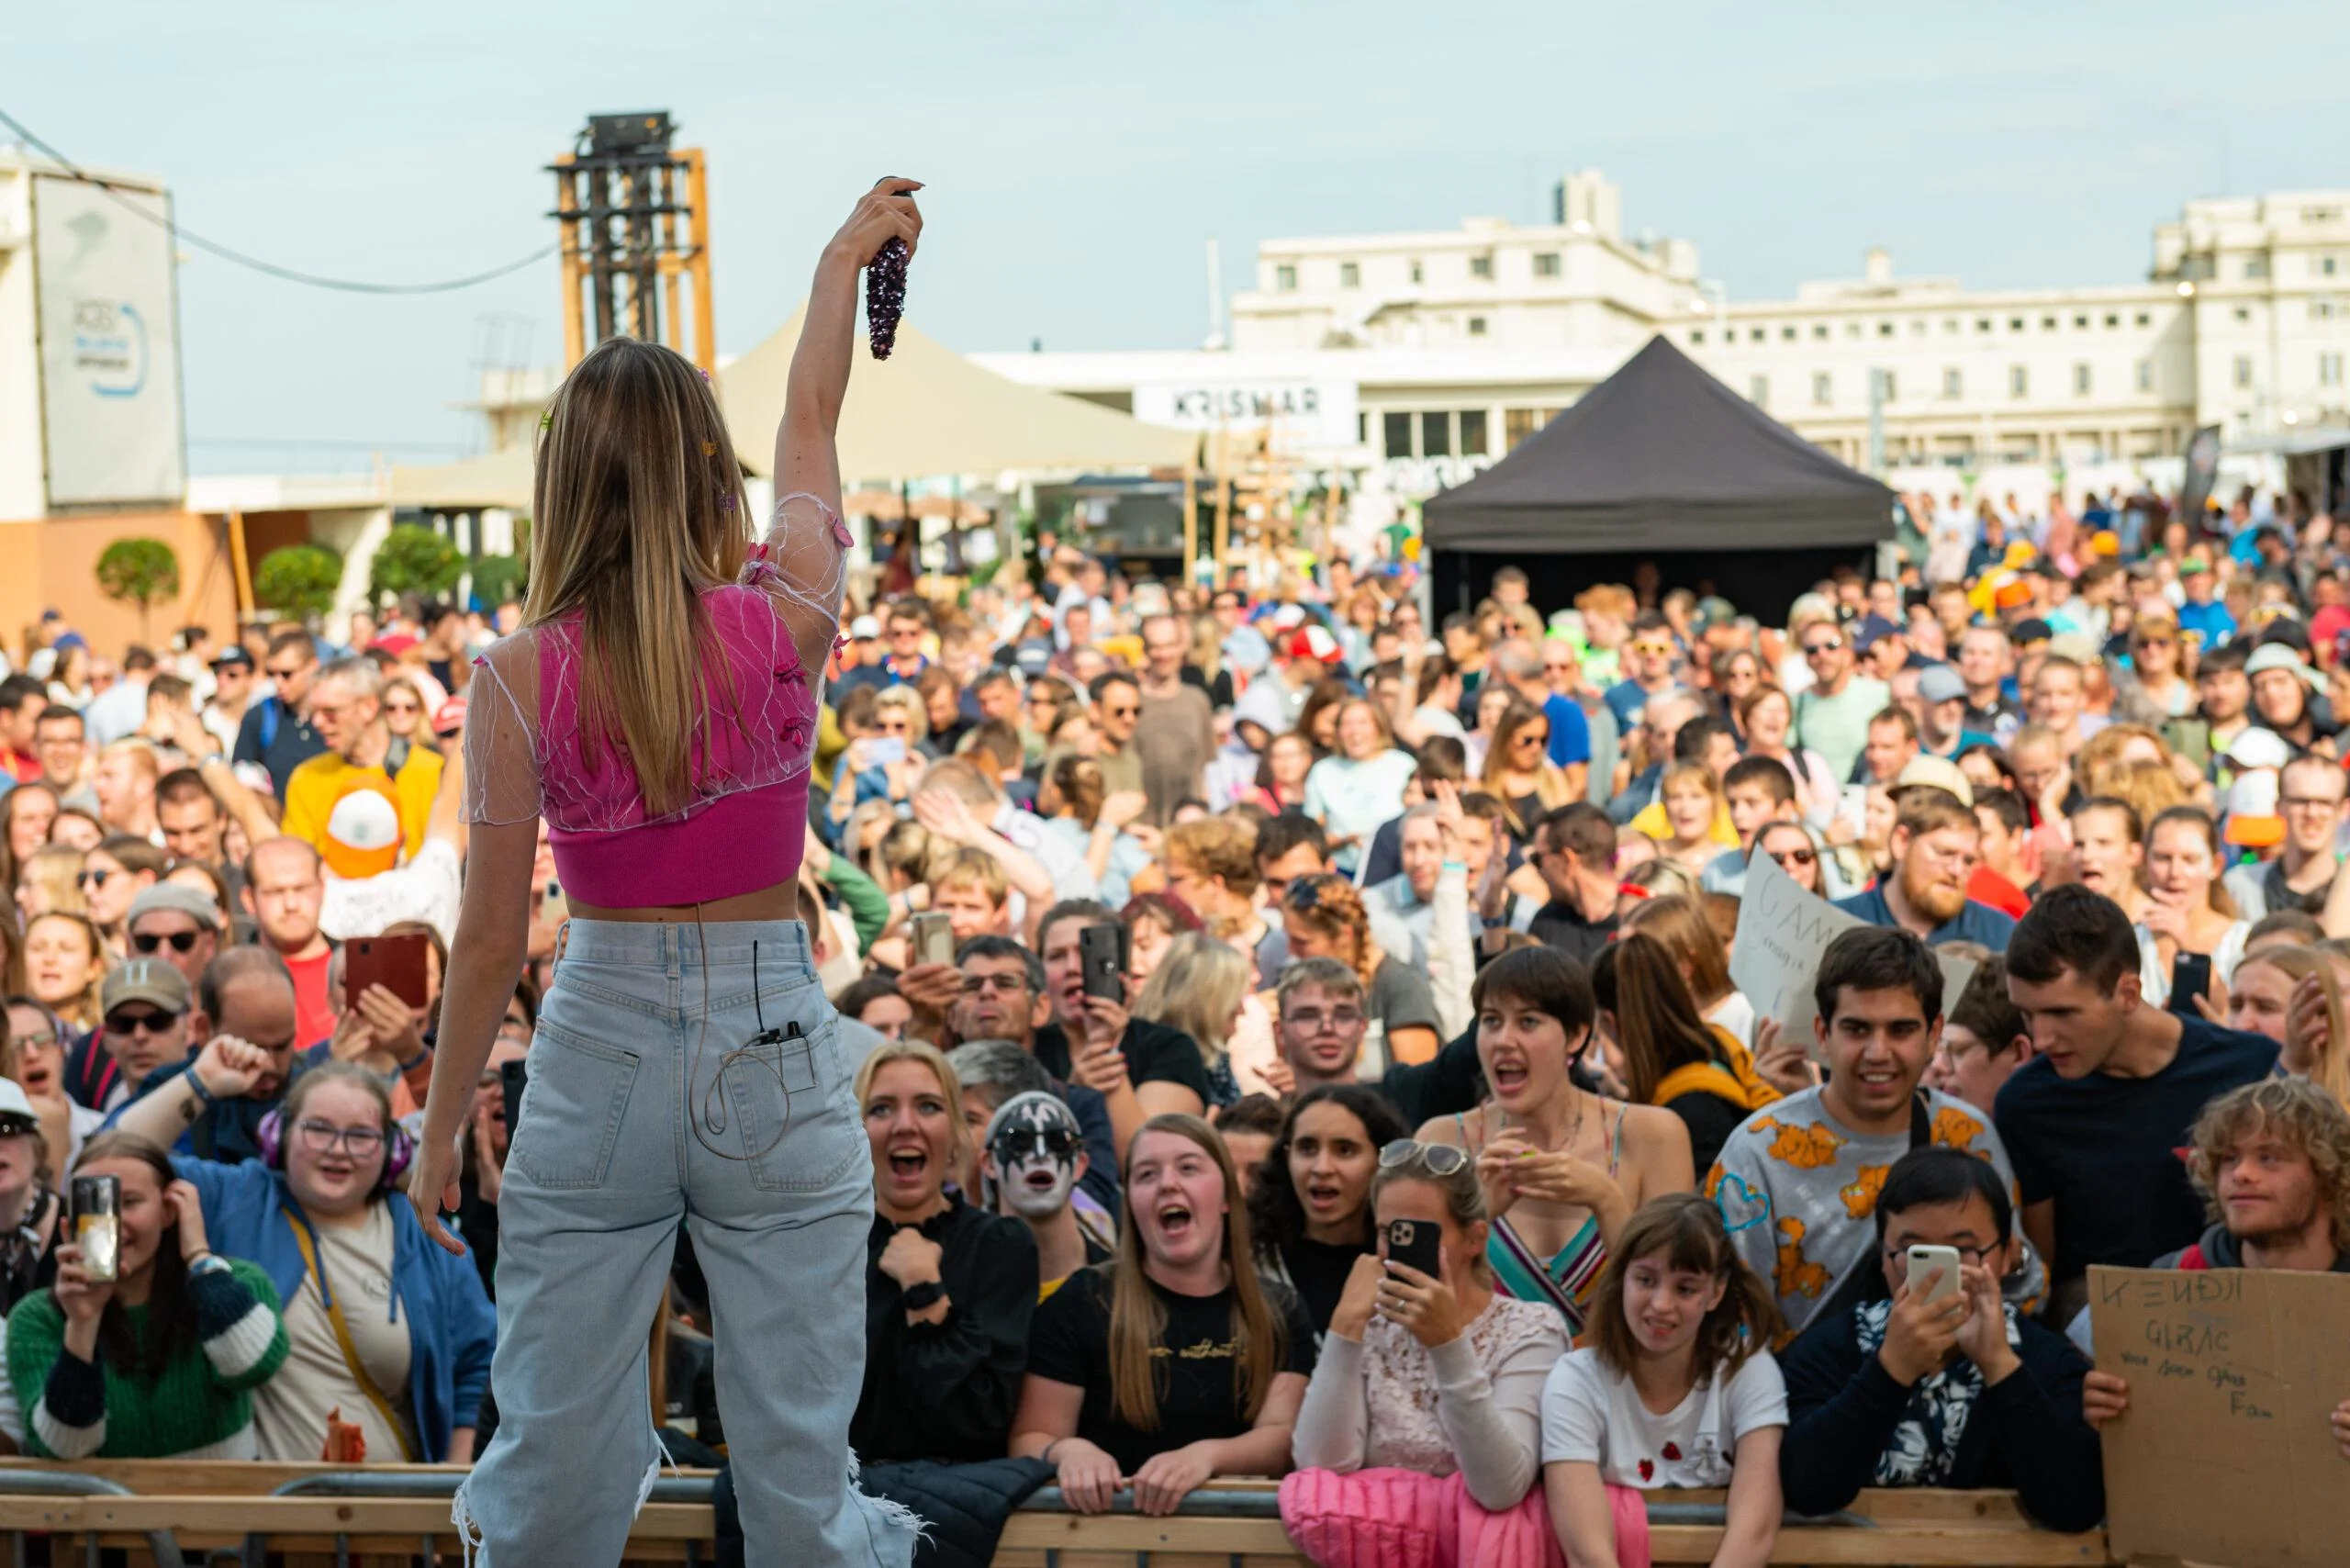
{"x":885,"y":296}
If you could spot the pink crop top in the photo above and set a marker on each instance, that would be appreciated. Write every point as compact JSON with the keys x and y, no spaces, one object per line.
{"x":745,"y":827}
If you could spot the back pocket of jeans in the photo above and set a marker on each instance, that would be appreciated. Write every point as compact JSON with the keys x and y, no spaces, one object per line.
{"x":572,"y":1108}
{"x":794,"y":1119}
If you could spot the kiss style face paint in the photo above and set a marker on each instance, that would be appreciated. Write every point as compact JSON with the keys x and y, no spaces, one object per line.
{"x":1035,"y":1143}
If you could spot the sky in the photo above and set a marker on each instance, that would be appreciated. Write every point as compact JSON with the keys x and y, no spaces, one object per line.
{"x":1079,"y":156}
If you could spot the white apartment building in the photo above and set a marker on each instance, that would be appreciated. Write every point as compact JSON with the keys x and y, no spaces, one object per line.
{"x":1444,"y":350}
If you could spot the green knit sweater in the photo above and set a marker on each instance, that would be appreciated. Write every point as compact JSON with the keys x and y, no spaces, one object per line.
{"x":74,"y":1409}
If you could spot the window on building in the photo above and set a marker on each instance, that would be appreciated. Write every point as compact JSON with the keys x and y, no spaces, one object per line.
{"x":1953,"y":382}
{"x":2242,"y":313}
{"x":2113,"y":319}
{"x":1362,"y":428}
{"x":1887,"y":385}
{"x":1476,"y":326}
{"x":2143,"y":318}
{"x":1699,"y":337}
{"x":1473,"y":432}
{"x":2321,"y":215}
{"x":1917,"y":328}
{"x":2145,"y":375}
{"x":1397,"y":429}
{"x":1950,"y":325}
{"x":2019,"y":381}
{"x":1519,"y":423}
{"x":2015,"y":323}
{"x":2329,"y":369}
{"x":1757,"y":334}
{"x":1823,"y":388}
{"x":1884,"y":329}
{"x":2244,"y":370}
{"x":1982,"y":323}
{"x":1481,"y":266}
{"x":2080,"y":381}
{"x":2325,"y":266}
{"x":1851,"y":329}
{"x":1350,"y":274}
{"x":1758,"y":391}
{"x":1820,"y":332}
{"x":2255,"y":267}
{"x":1418,"y":272}
{"x":1436,"y":434}
{"x":1285,"y":277}
{"x":1786,"y":334}
{"x":2048,"y":323}
{"x":2080,"y":323}
{"x":1546,"y":264}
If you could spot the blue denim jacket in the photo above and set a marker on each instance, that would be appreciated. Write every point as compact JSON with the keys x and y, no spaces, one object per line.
{"x":249,"y":1213}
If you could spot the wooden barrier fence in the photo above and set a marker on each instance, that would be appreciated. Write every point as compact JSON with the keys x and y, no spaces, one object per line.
{"x":218,"y":1509}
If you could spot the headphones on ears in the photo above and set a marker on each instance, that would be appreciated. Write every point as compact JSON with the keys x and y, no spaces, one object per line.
{"x":399,"y":1149}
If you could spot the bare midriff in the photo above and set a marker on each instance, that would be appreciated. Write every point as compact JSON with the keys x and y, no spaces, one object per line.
{"x":780,"y":901}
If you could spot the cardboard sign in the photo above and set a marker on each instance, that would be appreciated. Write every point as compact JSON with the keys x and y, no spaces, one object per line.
{"x":1782,"y":932}
{"x":2226,"y":1454}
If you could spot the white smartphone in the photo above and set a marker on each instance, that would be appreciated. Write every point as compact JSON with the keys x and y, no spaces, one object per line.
{"x":934,"y":939}
{"x":1853,"y":805}
{"x":882,"y":750}
{"x":1924,"y":1260}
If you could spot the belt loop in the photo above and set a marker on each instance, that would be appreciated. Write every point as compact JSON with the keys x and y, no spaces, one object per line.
{"x":672,"y":947}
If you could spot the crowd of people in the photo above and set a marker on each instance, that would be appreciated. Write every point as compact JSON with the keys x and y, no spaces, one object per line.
{"x":1290,"y":1032}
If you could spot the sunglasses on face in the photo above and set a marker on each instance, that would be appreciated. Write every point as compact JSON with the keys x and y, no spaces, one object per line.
{"x":1812,"y":650}
{"x":1056,"y":1143}
{"x":1531,"y":737}
{"x":284,"y":672}
{"x":1440,"y":1160}
{"x":1794,"y":857}
{"x":96,"y":877}
{"x":151,"y":942}
{"x":129,"y":1023}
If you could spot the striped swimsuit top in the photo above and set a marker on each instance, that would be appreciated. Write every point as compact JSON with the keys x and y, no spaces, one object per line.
{"x":1568,"y":1276}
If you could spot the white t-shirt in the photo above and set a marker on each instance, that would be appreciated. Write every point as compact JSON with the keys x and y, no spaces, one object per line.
{"x":1592,"y":1414}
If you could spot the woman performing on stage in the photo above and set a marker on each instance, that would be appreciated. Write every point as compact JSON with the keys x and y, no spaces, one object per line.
{"x":659,"y":710}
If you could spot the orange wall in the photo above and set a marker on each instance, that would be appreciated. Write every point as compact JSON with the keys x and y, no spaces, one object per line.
{"x":53,"y":562}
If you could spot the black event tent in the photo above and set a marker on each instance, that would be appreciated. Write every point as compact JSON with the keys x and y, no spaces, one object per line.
{"x":1662,"y":464}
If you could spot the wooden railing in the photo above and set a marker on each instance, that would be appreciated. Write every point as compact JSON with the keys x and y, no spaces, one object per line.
{"x":293,"y":1513}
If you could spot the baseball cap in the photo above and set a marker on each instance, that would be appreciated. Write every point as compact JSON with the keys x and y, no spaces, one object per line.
{"x":233,"y":657}
{"x":1871,"y":630}
{"x":865,"y":628}
{"x":362,"y":832}
{"x":2279,"y":655}
{"x":2077,"y":646}
{"x":1938,"y":684}
{"x":1939,"y":773}
{"x":450,"y":717}
{"x":2254,"y":821}
{"x":1246,"y":650}
{"x":2031,"y":629}
{"x":2258,"y":747}
{"x":17,"y":1118}
{"x":1314,"y":643}
{"x":174,"y":899}
{"x":151,"y":981}
{"x":394,"y":644}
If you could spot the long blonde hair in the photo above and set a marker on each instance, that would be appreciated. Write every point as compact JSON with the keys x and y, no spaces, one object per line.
{"x":1138,"y":1318}
{"x":962,"y":1159}
{"x":1198,"y":986}
{"x":638,"y":509}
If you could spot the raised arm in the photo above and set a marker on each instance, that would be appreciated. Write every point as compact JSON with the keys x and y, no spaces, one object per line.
{"x":804,"y":539}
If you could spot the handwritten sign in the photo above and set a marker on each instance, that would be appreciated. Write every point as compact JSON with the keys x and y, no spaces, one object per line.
{"x":2226,"y":1454}
{"x":1782,"y":932}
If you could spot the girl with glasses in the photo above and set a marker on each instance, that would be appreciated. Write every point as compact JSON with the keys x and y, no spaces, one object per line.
{"x":2157,"y":671}
{"x":404,"y":714}
{"x":1438,"y":1373}
{"x":1518,"y":771}
{"x":394,"y":1332}
{"x":1309,"y":1205}
{"x":162,"y":1361}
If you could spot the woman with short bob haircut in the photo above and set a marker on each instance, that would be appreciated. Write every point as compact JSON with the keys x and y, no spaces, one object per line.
{"x":1172,"y":1363}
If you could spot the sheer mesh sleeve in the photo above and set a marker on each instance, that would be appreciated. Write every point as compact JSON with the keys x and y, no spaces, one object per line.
{"x":801,"y":566}
{"x":502,"y":755}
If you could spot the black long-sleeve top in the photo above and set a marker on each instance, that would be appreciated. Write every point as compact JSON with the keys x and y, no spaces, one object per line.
{"x":947,"y":1391}
{"x":2026,"y":1433}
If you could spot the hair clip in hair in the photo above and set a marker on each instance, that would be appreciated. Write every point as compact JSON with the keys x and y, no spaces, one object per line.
{"x":547,"y":420}
{"x":703,"y":373}
{"x":710,"y":449}
{"x":726,"y":503}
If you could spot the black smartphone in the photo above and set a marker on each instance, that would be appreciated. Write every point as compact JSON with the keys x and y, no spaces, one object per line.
{"x":2190,"y":977}
{"x":1101,"y":951}
{"x":511,"y":1076}
{"x":1415,"y":1244}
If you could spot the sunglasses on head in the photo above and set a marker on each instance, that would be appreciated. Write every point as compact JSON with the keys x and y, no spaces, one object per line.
{"x":1437,"y":1159}
{"x":1304,"y":893}
{"x":151,"y":942}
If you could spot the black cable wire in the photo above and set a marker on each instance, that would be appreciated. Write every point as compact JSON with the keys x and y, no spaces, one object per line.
{"x":271,"y":269}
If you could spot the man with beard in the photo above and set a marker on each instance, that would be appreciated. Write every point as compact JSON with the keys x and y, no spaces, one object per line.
{"x":2108,"y":851}
{"x":245,"y":1011}
{"x":1033,"y":1158}
{"x":1936,"y":843}
{"x":2272,"y":1159}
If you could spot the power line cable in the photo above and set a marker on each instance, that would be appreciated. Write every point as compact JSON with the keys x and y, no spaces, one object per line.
{"x":271,"y":269}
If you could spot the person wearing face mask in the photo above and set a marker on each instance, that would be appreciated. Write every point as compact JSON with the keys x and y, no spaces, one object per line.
{"x":1309,"y":1211}
{"x":1561,"y":1168}
{"x":160,"y":1361}
{"x":1174,"y":1363}
{"x":1033,"y":1157}
{"x":949,"y":1288}
{"x":1436,"y":1373}
{"x":391,"y":1331}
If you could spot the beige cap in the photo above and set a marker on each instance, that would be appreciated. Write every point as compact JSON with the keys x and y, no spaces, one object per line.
{"x":1939,"y":772}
